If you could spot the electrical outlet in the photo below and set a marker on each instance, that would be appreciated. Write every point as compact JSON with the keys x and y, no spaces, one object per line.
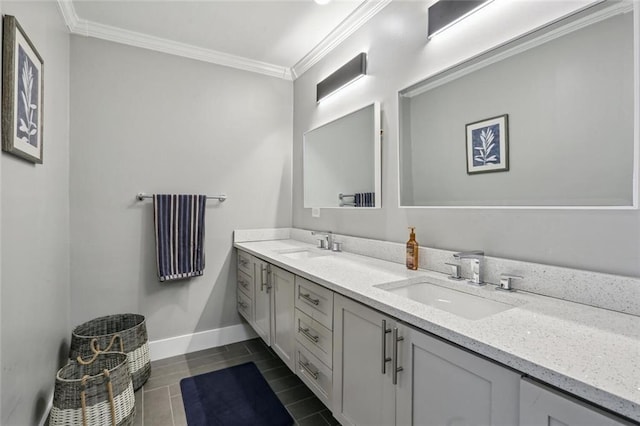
{"x":315,"y":212}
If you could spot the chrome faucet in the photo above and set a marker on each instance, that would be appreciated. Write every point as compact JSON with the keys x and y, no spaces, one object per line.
{"x":476,"y":265}
{"x":326,"y":242}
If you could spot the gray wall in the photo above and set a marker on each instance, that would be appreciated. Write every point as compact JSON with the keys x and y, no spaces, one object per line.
{"x":399,"y":55}
{"x":35,"y":236}
{"x":147,"y":121}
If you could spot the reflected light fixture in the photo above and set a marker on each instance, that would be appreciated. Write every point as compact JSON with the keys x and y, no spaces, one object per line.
{"x":343,"y":76}
{"x":446,"y":13}
{"x":322,"y":1}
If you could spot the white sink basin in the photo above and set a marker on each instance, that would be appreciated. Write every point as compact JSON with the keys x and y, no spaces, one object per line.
{"x":462,"y":304}
{"x":302,"y":254}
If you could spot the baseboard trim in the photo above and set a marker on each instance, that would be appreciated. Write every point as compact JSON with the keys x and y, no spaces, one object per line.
{"x":180,"y":345}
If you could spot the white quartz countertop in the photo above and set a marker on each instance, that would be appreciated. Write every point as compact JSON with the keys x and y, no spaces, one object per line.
{"x":590,"y":352}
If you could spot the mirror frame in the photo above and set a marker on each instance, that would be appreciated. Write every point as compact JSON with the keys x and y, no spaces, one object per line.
{"x":377,"y":155}
{"x":551,"y":31}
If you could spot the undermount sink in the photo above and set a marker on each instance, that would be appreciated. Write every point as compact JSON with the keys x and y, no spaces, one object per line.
{"x":466,"y":305}
{"x":302,"y":254}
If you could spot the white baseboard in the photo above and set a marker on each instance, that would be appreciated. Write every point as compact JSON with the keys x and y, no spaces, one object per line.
{"x":180,"y":345}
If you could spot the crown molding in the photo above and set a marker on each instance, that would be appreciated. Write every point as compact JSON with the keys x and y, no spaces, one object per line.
{"x":88,"y":28}
{"x":353,"y":22}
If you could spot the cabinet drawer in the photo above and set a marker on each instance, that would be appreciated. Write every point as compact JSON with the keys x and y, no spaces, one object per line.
{"x":245,"y":284}
{"x":245,"y":306}
{"x":314,"y":337}
{"x":317,"y":376}
{"x":245,"y":263}
{"x":315,"y":301}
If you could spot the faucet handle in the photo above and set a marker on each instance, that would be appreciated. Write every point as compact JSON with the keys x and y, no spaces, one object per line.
{"x":455,"y":271}
{"x":505,"y":282}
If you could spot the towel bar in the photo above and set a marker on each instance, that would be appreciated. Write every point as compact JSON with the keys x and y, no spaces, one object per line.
{"x":141,"y":196}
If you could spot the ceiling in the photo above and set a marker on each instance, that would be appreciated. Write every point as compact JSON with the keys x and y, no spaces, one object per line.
{"x":278,"y":38}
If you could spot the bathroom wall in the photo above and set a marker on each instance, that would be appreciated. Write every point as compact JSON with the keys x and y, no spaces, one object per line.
{"x":147,"y":121}
{"x":35,"y":289}
{"x":399,"y":55}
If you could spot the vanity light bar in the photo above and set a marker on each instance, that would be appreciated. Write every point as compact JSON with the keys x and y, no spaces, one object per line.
{"x":446,"y":13}
{"x":347,"y":74}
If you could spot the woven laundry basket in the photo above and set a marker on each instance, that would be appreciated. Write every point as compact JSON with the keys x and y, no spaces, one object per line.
{"x":96,"y":391}
{"x":124,"y":332}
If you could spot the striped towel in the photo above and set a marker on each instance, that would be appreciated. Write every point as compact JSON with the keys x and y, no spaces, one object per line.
{"x":179,"y":221}
{"x":365,"y":199}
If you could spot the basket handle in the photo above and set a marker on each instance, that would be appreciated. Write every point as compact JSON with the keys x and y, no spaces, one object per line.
{"x":83,"y":397}
{"x":95,"y":347}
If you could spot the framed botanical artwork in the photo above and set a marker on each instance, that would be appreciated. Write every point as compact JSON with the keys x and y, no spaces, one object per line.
{"x":488,"y":145}
{"x":22,"y":86}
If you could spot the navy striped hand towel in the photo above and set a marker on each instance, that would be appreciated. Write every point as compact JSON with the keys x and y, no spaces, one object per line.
{"x":179,"y":222}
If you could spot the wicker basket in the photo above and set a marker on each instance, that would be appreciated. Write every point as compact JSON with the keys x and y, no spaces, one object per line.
{"x":129,"y":334}
{"x":97,"y":391}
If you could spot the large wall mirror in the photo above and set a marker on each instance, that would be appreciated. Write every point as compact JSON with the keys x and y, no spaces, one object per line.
{"x":341,"y":161}
{"x":546,"y":121}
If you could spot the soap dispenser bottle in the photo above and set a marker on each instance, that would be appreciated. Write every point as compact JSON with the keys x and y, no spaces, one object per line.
{"x":412,"y":250}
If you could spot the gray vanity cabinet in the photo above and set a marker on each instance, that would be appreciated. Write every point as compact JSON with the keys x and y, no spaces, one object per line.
{"x":362,"y":394}
{"x":282,"y":287}
{"x":441,"y":384}
{"x":262,"y":302}
{"x":543,"y":406}
{"x":436,"y":383}
{"x":266,"y":301}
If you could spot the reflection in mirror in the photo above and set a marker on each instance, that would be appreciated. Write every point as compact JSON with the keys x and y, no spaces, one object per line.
{"x":568,"y":91}
{"x":341,"y":164}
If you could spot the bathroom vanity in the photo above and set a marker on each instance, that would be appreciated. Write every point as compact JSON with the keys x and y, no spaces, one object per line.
{"x":382,"y":345}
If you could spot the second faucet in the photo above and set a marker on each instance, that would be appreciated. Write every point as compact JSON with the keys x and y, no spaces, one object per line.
{"x":476,"y":257}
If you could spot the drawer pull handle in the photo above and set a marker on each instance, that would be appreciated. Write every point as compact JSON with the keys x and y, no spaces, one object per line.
{"x":395,"y":369}
{"x":305,"y":332}
{"x":308,"y":298}
{"x":244,"y":284}
{"x":385,"y":358}
{"x":243,"y":305}
{"x":307,"y":368}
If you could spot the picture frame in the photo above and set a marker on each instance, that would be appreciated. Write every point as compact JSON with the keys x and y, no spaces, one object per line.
{"x":488,"y":145}
{"x":22,"y":93}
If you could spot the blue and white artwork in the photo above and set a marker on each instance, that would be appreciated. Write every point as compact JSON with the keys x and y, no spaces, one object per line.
{"x":485,"y":148}
{"x":27,"y":126}
{"x":487,"y":145}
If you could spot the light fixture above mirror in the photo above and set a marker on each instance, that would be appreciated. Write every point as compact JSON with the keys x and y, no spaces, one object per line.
{"x":343,"y":76}
{"x":446,"y":13}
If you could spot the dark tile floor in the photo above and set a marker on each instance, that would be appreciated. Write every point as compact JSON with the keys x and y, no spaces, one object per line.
{"x":159,"y":402}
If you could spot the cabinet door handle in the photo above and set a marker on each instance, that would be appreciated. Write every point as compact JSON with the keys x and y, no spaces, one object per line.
{"x":244,"y":284}
{"x":263,"y":281}
{"x":269,"y":278}
{"x":307,"y":368}
{"x":396,"y":369}
{"x":385,"y":359}
{"x":243,"y":305}
{"x":309,"y":299}
{"x":305,"y":333}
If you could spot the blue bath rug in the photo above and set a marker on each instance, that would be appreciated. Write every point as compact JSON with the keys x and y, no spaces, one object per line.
{"x":235,"y":396}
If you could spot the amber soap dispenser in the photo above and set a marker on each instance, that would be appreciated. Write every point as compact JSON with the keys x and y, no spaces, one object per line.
{"x":412,"y":250}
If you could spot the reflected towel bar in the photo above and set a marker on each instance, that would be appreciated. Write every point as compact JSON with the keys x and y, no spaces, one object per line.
{"x":141,"y":196}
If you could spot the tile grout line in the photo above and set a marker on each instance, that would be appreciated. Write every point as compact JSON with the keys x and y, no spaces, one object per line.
{"x":173,"y":419}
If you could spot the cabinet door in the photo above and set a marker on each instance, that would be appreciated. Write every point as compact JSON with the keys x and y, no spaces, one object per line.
{"x":542,"y":406}
{"x":362,"y":394}
{"x":282,"y":314}
{"x":441,"y":384}
{"x":262,"y":303}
